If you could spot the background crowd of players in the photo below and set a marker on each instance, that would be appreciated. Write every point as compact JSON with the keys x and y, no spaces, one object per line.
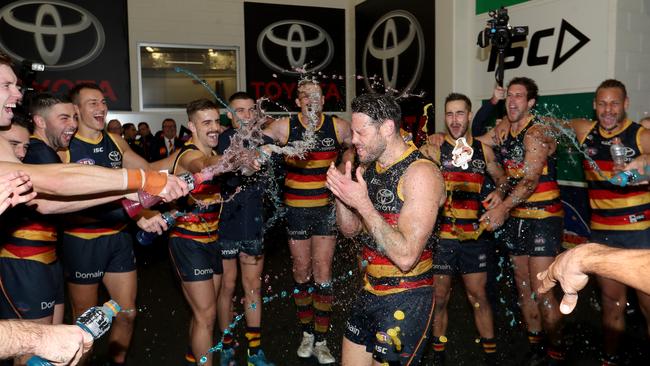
{"x":419,"y":218}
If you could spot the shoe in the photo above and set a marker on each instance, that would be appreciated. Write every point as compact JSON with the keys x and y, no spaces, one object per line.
{"x":259,"y":359}
{"x":306,"y":348}
{"x":227,"y":357}
{"x":323,"y":354}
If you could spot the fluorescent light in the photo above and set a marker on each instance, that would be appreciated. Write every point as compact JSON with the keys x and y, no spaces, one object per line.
{"x":149,"y":49}
{"x":185,"y":62}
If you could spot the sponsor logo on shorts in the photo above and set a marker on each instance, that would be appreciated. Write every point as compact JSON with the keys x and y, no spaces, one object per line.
{"x":297,"y":232}
{"x":482,"y":257}
{"x":47,"y":305}
{"x":540,"y":240}
{"x":352,"y":328}
{"x":482,"y":265}
{"x":442,"y":266}
{"x":540,"y":248}
{"x":98,"y":274}
{"x":229,"y":251}
{"x":201,"y":272}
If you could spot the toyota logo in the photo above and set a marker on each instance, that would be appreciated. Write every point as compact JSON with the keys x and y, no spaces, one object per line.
{"x":385,"y":197}
{"x":115,"y":156}
{"x":392,"y":46}
{"x":53,"y":10}
{"x":295,"y":35}
{"x":478,"y":164}
{"x":328,"y":142}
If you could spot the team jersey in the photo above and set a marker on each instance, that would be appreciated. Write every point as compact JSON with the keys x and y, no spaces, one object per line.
{"x":545,"y":200}
{"x":382,"y":276}
{"x":614,"y":208}
{"x":28,"y":234}
{"x":106,"y":219}
{"x":304,"y":184}
{"x":202,"y":205}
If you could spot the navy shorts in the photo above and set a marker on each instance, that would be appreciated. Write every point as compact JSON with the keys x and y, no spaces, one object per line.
{"x":230,"y":249}
{"x":627,"y":239}
{"x":372,"y":318}
{"x":195,"y":261}
{"x":463,"y":257}
{"x":86,"y":260}
{"x":534,"y":237}
{"x":30,"y":289}
{"x":305,"y":222}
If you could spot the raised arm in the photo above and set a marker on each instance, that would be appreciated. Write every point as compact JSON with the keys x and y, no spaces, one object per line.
{"x":278,"y":130}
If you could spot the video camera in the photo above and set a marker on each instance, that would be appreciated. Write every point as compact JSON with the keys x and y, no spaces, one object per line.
{"x":499,"y":32}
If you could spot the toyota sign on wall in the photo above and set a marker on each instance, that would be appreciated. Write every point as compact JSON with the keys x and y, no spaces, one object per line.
{"x":76,"y":40}
{"x":285,"y":42}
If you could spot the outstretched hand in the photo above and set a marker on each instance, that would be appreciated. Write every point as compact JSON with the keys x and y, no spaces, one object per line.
{"x":567,"y":270}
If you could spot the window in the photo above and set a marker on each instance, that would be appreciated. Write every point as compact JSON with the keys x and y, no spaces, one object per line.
{"x":163,"y":87}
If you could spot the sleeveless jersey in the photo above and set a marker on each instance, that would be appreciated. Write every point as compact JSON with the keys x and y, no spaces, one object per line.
{"x":106,"y":219}
{"x":382,"y":276}
{"x":545,"y":200}
{"x":304,"y":184}
{"x":464,"y":190}
{"x":203,"y":206}
{"x":28,"y":234}
{"x":614,"y":208}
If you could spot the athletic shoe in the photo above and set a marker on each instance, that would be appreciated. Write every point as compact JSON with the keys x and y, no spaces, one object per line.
{"x":227,"y":357}
{"x":259,"y":359}
{"x":306,"y":348}
{"x":323,"y":354}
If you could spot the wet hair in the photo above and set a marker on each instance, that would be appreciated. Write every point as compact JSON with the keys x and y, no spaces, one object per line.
{"x":6,"y":60}
{"x":20,"y":119}
{"x":612,"y":83}
{"x":39,"y":103}
{"x":74,"y":92}
{"x":452,"y":97}
{"x":532,"y":91}
{"x":379,"y":107}
{"x":240,"y":96}
{"x":198,"y":105}
{"x":306,"y":81}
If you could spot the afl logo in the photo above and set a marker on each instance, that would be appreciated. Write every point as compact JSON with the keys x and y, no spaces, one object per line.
{"x":385,"y":197}
{"x":328,"y":142}
{"x":53,"y":21}
{"x":397,"y":33}
{"x":87,"y":161}
{"x":294,"y":35}
{"x":115,"y":155}
{"x":592,"y":151}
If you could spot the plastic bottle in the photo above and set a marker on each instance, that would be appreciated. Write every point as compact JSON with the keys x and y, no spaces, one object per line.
{"x":617,"y":150}
{"x":627,"y":177}
{"x":146,"y":238}
{"x":96,"y":321}
{"x":146,"y":200}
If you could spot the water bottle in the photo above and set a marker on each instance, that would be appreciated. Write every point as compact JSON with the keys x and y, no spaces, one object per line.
{"x":96,"y":321}
{"x":617,"y":150}
{"x":627,"y":177}
{"x":146,"y":238}
{"x":146,"y":200}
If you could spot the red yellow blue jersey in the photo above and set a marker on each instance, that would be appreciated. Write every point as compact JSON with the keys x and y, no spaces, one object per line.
{"x":203,"y":207}
{"x":382,"y":276}
{"x":614,"y":208}
{"x":28,"y":234}
{"x":464,"y":188}
{"x":545,"y":200}
{"x":106,"y":219}
{"x":304,"y":184}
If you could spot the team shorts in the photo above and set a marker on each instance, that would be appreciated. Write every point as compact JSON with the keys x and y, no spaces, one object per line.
{"x":86,"y":260}
{"x":372,"y":316}
{"x":305,"y":222}
{"x":453,"y":256}
{"x":533,"y":237}
{"x":627,"y":239}
{"x":30,"y":289}
{"x":195,"y":261}
{"x":230,"y":249}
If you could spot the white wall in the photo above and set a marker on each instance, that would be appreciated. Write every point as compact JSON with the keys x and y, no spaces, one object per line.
{"x":201,"y":23}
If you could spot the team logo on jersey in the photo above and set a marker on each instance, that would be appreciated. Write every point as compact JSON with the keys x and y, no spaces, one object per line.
{"x":592,"y":151}
{"x":385,"y":197}
{"x":87,"y":161}
{"x":115,"y":155}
